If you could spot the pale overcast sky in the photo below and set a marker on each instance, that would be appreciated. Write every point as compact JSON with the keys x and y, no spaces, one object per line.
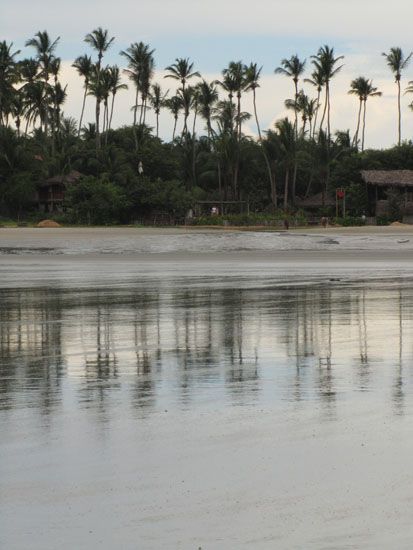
{"x":214,"y":32}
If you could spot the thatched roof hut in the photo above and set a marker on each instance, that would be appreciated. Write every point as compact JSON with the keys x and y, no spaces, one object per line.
{"x":51,"y":192}
{"x":65,"y":180}
{"x":388,"y":178}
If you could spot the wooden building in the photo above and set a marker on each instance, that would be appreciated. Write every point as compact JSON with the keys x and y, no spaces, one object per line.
{"x":51,"y":193}
{"x":381,"y":182}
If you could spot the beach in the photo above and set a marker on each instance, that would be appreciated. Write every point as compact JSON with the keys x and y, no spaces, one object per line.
{"x":214,"y":389}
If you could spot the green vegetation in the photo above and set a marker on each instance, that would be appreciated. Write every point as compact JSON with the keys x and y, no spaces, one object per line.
{"x":130,"y":175}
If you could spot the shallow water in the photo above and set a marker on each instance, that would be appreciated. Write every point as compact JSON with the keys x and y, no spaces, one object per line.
{"x":204,"y":410}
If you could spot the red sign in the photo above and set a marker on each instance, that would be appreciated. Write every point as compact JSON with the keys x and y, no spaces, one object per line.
{"x":340,"y":193}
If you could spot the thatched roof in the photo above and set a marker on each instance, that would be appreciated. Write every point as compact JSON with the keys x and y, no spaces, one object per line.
{"x":67,"y":179}
{"x":388,"y":178}
{"x":315,"y":201}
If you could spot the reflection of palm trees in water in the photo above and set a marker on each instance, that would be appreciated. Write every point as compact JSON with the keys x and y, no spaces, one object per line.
{"x":199,"y":340}
{"x":398,"y":390}
{"x":363,"y":363}
{"x":31,"y":357}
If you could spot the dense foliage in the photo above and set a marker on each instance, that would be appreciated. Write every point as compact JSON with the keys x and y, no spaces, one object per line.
{"x":131,"y":175}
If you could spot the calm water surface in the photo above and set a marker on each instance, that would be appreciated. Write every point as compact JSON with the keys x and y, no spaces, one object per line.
{"x":205,"y":413}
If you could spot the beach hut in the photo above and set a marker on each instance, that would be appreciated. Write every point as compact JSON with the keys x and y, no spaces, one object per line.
{"x":380,"y":183}
{"x":51,"y":193}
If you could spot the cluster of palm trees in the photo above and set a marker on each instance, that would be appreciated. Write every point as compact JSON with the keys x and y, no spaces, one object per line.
{"x":30,"y":90}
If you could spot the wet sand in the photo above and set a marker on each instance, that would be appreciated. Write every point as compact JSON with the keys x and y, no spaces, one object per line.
{"x":156,"y":392}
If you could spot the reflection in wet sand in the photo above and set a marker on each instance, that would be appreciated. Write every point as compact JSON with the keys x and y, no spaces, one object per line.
{"x":150,"y":415}
{"x":230,"y":346}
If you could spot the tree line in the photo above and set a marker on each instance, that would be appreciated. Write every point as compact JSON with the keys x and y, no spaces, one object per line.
{"x":294,"y":158}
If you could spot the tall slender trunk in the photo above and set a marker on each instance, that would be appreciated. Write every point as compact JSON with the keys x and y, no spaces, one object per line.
{"x":175,"y":123}
{"x":364,"y":124}
{"x":273,"y":189}
{"x":194,"y":149}
{"x":267,"y":162}
{"x":145,"y":107}
{"x":256,"y":115}
{"x":83,"y":109}
{"x":325,"y":108}
{"x":287,"y":174}
{"x":111,"y":111}
{"x":356,"y":134}
{"x":97,"y":114}
{"x":295,"y":108}
{"x":328,"y":111}
{"x":316,"y":113}
{"x":399,"y":112}
{"x":294,"y":180}
{"x":135,"y":108}
{"x":46,"y":114}
{"x":157,"y":124}
{"x":98,"y":100}
{"x":239,"y":115}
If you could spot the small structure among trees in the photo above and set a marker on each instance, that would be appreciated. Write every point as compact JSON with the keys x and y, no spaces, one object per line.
{"x":51,"y":193}
{"x":389,"y":191}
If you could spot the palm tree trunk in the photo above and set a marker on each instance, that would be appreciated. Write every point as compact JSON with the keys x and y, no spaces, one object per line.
{"x":356,"y":135}
{"x":287,"y":173}
{"x":273,"y":189}
{"x":328,"y":111}
{"x":256,"y":115}
{"x":145,"y":106}
{"x":111,"y":111}
{"x":239,"y":115}
{"x":364,"y":125}
{"x":294,"y":181}
{"x":83,"y":110}
{"x":295,"y":108}
{"x":175,"y":123}
{"x":135,"y":108}
{"x":316,"y":113}
{"x":97,"y":123}
{"x":157,"y":124}
{"x":399,"y":113}
{"x":325,"y":109}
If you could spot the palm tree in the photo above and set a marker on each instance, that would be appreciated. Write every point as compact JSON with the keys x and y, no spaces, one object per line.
{"x":397,"y":62}
{"x":363,"y":89}
{"x":140,"y":71}
{"x":237,"y":71}
{"x":317,"y":80}
{"x":207,"y":98}
{"x":293,"y":68}
{"x":357,"y":87}
{"x":286,"y":133}
{"x":181,"y":70}
{"x":115,"y":85}
{"x":157,"y":101}
{"x":370,"y":91}
{"x":229,"y":85}
{"x":174,"y":104}
{"x":9,"y":75}
{"x":83,"y":64}
{"x":187,"y":96}
{"x":98,"y":40}
{"x":252,"y":76}
{"x":45,"y":48}
{"x":326,"y":65}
